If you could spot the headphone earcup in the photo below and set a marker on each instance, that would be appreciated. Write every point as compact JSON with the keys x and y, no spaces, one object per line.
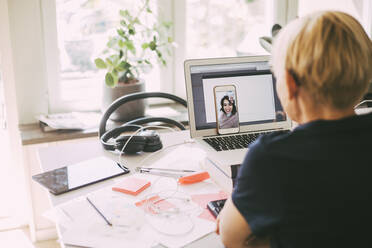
{"x":135,"y":144}
{"x":153,"y":143}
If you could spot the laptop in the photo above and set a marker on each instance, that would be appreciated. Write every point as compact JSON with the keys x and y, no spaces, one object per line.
{"x":258,"y":105}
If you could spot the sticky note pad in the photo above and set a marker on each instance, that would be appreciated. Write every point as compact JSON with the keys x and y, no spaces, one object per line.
{"x":132,"y":186}
{"x":194,"y":178}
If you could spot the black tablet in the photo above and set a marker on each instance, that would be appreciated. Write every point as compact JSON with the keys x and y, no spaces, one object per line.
{"x":75,"y":176}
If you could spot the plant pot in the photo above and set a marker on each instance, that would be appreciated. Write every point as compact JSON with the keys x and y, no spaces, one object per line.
{"x":130,"y":110}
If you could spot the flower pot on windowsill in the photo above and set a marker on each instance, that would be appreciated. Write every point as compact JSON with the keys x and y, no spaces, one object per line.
{"x":130,"y":110}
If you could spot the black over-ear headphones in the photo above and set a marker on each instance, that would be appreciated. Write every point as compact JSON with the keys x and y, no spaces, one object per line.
{"x":145,"y":140}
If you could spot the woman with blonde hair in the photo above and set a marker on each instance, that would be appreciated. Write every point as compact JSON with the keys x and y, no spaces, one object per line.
{"x":310,"y":187}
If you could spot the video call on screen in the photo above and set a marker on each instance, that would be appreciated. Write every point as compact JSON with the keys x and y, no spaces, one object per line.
{"x":257,"y":100}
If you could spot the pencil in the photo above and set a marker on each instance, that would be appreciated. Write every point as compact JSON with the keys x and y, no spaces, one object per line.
{"x":91,"y":203}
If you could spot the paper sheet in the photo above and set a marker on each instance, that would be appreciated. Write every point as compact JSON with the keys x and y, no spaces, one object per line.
{"x":134,"y":227}
{"x":73,"y":120}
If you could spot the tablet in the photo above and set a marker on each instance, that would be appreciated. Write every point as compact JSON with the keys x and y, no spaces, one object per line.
{"x":75,"y":176}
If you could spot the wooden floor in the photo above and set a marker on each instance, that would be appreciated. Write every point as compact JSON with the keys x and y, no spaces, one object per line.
{"x":47,"y":244}
{"x":19,"y":238}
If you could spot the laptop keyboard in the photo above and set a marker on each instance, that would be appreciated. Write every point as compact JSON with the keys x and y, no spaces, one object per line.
{"x":232,"y":142}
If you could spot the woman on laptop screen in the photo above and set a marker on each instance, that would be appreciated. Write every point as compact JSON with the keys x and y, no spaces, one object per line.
{"x":310,"y":187}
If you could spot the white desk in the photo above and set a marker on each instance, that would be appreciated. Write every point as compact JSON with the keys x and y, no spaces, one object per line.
{"x":58,"y":156}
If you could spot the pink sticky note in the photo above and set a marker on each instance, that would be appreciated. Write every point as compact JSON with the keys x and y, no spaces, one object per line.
{"x":131,"y":185}
{"x":207,"y":215}
{"x":203,"y":199}
{"x":157,"y":202}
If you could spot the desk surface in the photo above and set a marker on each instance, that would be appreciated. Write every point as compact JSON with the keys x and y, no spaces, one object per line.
{"x":58,"y":156}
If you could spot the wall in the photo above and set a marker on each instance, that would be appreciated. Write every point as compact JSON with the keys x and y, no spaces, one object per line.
{"x":26,"y":37}
{"x":6,"y":52}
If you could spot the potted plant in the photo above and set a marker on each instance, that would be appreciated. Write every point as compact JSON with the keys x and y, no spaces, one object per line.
{"x":130,"y":52}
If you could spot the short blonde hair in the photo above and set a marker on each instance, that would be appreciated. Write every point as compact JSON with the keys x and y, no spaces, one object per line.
{"x":329,"y":54}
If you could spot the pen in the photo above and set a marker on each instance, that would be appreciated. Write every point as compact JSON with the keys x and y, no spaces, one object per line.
{"x":146,"y":169}
{"x":91,"y":203}
{"x":164,"y":172}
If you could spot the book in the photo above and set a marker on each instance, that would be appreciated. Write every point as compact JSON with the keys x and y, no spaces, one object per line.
{"x":45,"y":127}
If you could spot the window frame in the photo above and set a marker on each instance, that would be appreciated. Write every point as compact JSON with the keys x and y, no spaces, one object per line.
{"x":49,"y":25}
{"x":172,"y":77}
{"x":277,"y":9}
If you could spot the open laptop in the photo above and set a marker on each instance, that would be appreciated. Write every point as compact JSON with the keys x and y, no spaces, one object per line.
{"x":259,"y":108}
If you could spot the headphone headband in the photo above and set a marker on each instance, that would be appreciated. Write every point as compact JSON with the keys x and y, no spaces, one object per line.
{"x":135,"y":96}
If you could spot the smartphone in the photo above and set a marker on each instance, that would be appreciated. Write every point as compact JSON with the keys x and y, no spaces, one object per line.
{"x":215,"y":207}
{"x":226,"y":105}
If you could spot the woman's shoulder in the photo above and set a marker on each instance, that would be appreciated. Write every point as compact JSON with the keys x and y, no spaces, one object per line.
{"x":273,"y":142}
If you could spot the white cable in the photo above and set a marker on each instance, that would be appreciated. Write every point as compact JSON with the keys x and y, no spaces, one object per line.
{"x":136,"y":132}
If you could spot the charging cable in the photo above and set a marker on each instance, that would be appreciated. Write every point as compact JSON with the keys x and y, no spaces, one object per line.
{"x":136,"y":132}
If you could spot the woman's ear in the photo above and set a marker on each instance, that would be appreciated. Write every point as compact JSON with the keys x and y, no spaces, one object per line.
{"x":291,"y":86}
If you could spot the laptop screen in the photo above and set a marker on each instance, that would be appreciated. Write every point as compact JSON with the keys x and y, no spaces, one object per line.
{"x":256,"y":97}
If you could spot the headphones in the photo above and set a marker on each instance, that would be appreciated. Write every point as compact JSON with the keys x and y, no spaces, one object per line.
{"x":145,"y":140}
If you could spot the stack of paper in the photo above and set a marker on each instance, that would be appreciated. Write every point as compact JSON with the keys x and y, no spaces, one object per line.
{"x":73,"y":120}
{"x":179,"y":219}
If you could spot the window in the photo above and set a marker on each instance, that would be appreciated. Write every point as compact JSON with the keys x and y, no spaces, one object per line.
{"x":78,"y":30}
{"x":356,"y":8}
{"x":83,"y":29}
{"x":225,"y":28}
{"x":218,"y":28}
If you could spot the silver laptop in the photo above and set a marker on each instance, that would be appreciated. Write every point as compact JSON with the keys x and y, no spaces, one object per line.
{"x":258,"y":107}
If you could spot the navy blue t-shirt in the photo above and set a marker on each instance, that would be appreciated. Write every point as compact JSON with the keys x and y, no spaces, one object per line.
{"x":311,"y":187}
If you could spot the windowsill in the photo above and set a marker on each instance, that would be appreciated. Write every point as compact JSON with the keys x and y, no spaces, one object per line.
{"x":31,"y":134}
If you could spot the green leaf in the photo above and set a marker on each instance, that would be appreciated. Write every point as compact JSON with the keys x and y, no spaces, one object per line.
{"x":121,"y":32}
{"x":108,"y":61}
{"x":114,"y":72}
{"x":136,"y":20}
{"x":111,"y":43}
{"x":100,"y":63}
{"x":152,"y":45}
{"x":121,"y":53}
{"x":124,"y":66}
{"x":109,"y":79}
{"x":148,"y":10}
{"x":121,"y":44}
{"x":131,"y":31}
{"x":170,"y":39}
{"x":124,"y":13}
{"x":123,"y":23}
{"x":145,"y":45}
{"x":115,"y":61}
{"x":129,"y":44}
{"x":163,"y":62}
{"x":147,"y":62}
